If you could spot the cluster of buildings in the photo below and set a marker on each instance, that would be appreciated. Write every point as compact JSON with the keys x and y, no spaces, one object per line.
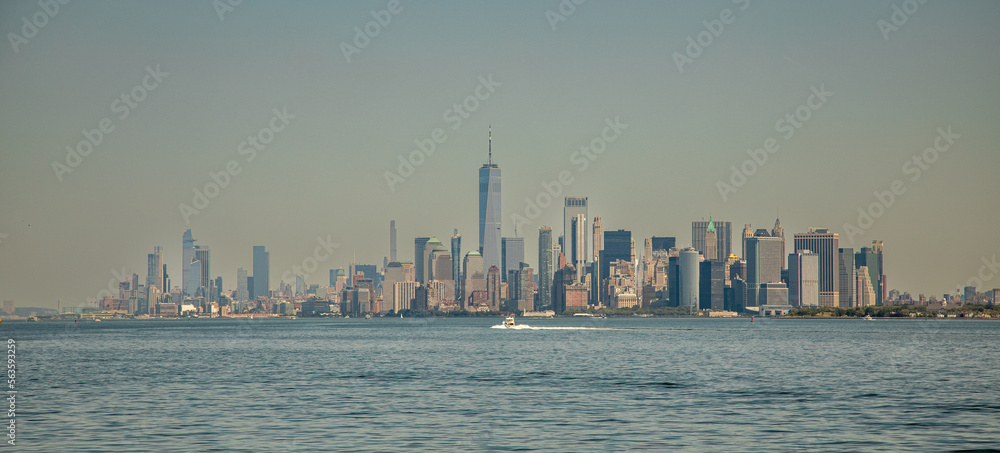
{"x":578,"y":268}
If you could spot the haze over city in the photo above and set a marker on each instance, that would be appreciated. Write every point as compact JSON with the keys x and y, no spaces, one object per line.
{"x":848,"y":107}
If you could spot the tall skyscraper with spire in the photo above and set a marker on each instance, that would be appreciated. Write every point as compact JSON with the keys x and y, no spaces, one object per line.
{"x":598,"y":244}
{"x":489,"y":211}
{"x":779,"y":232}
{"x":723,"y":238}
{"x":711,"y":241}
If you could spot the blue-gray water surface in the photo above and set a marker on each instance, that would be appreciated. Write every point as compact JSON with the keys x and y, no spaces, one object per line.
{"x":573,"y":384}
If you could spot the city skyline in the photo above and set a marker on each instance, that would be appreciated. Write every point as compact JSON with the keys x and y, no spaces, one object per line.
{"x":656,"y":140}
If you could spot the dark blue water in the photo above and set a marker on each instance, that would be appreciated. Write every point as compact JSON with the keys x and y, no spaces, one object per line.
{"x":636,"y":384}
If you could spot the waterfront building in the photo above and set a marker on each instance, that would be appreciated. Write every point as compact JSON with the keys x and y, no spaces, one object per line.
{"x":826,"y":244}
{"x":489,"y":211}
{"x":803,"y":279}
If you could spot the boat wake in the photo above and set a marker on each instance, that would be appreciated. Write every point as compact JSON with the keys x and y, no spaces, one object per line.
{"x":517,"y":327}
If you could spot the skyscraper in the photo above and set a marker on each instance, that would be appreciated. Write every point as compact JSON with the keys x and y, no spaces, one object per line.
{"x":827,"y":246}
{"x":747,"y":234}
{"x":154,"y":269}
{"x":779,"y":232}
{"x":617,"y":246}
{"x":511,"y":256}
{"x":578,"y":244}
{"x":724,"y":238}
{"x":193,"y":280}
{"x":473,"y":277}
{"x":572,"y":207}
{"x":544,"y":267}
{"x":392,"y":240}
{"x":418,"y":257}
{"x":663,"y":243}
{"x":187,"y":256}
{"x":493,"y":288}
{"x":489,"y":211}
{"x":871,"y":258}
{"x":688,"y":278}
{"x":847,"y":277}
{"x":598,"y":244}
{"x":763,"y":264}
{"x":712,"y":283}
{"x":433,"y":244}
{"x":204,"y":256}
{"x":711,"y":251}
{"x":456,"y":262}
{"x":261,"y":269}
{"x":803,"y":279}
{"x":863,"y":285}
{"x":242,"y":288}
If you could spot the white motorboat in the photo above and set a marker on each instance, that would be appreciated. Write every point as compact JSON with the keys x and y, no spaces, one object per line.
{"x":509,"y":322}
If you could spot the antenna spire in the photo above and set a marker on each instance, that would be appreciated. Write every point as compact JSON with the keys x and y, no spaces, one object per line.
{"x":491,"y":145}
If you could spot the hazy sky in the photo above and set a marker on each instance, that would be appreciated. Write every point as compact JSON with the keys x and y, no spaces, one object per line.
{"x":554,"y":85}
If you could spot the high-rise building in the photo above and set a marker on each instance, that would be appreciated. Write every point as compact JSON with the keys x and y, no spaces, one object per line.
{"x":561,"y":280}
{"x":396,"y":272}
{"x":489,"y":211}
{"x":419,"y":258}
{"x":544,"y":267}
{"x":773,"y":294}
{"x":573,"y":206}
{"x":724,"y":238}
{"x":688,"y":278}
{"x":803,"y":279}
{"x":712,"y":284}
{"x":204,"y":256}
{"x":871,"y":257}
{"x":598,"y":244}
{"x":617,"y":246}
{"x":8,"y":307}
{"x":187,"y":256}
{"x":154,"y":270}
{"x":711,"y":251}
{"x":578,"y":244}
{"x":663,"y":243}
{"x":779,"y":232}
{"x":865,"y":290}
{"x":261,"y":271}
{"x":370,"y":271}
{"x":334,"y":273}
{"x":525,"y":286}
{"x":456,"y":263}
{"x":493,"y":288}
{"x":827,"y":245}
{"x":763,"y":264}
{"x":473,"y":277}
{"x":511,"y":256}
{"x":747,"y":234}
{"x":847,"y":277}
{"x":392,"y":240}
{"x":242,"y":285}
{"x":300,"y":285}
{"x":192,"y":280}
{"x":403,"y":294}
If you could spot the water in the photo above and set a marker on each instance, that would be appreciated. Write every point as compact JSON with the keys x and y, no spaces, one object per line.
{"x":635,"y":384}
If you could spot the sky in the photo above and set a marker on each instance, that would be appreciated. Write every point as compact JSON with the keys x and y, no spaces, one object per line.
{"x":342,"y":91}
